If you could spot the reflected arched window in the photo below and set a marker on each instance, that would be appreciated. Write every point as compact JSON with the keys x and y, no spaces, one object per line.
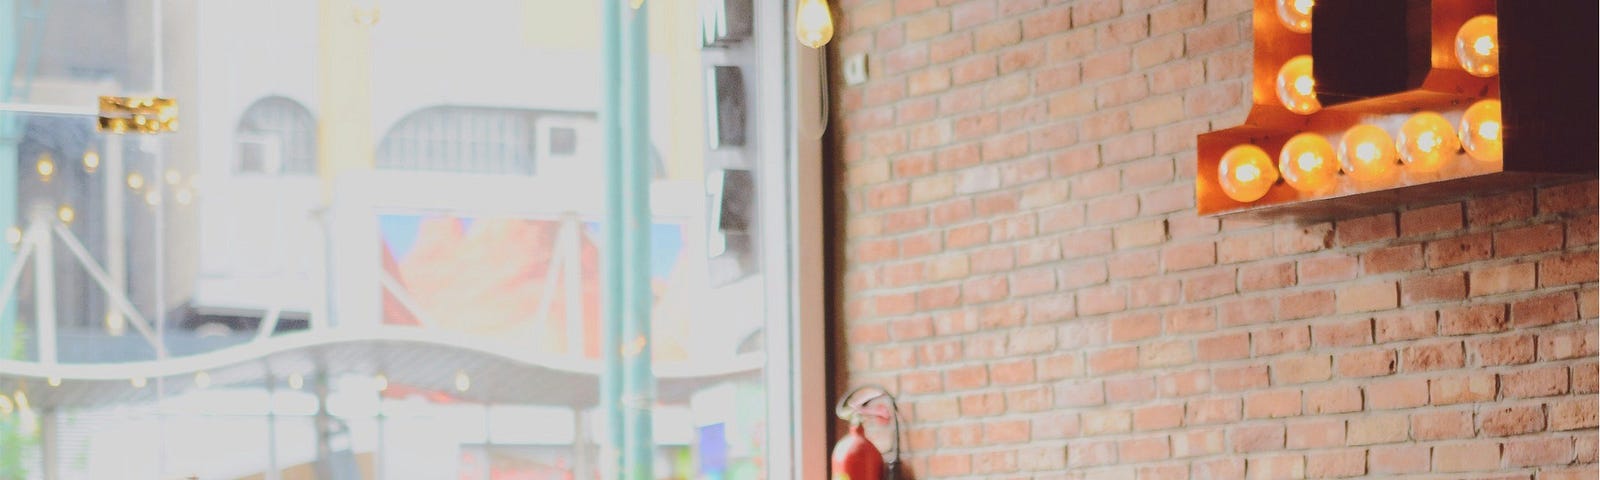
{"x":468,"y":140}
{"x":276,"y":136}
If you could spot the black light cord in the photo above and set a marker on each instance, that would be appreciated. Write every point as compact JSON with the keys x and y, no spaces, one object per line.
{"x":845,"y":411}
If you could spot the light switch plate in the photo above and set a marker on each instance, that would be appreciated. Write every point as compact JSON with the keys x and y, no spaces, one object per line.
{"x":855,"y":69}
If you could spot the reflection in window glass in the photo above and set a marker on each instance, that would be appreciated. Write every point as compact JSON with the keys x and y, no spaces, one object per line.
{"x":372,"y":250}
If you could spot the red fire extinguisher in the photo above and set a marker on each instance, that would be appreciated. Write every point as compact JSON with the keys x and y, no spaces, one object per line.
{"x":854,"y":456}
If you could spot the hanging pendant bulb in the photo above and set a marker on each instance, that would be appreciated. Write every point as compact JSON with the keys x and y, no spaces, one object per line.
{"x":813,"y":23}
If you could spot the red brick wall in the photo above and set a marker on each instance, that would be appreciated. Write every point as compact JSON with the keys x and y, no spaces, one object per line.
{"x":1023,"y":265}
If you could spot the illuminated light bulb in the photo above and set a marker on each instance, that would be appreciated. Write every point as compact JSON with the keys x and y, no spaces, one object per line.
{"x":116,"y":326}
{"x":91,"y":161}
{"x":1367,"y":153}
{"x":135,"y":180}
{"x":1426,"y":142}
{"x":1246,"y":173}
{"x":1308,"y":164}
{"x":382,"y":382}
{"x":173,"y":177}
{"x":296,"y":381}
{"x":1482,"y":131}
{"x":66,"y":214}
{"x":463,"y":382}
{"x":202,"y":380}
{"x":1297,"y":89}
{"x":53,"y":381}
{"x":46,"y":166}
{"x":1296,"y":14}
{"x":137,"y":382}
{"x":1478,"y":46}
{"x":152,"y":197}
{"x":813,"y":23}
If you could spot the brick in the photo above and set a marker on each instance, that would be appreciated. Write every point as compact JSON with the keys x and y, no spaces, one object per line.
{"x":1570,"y":197}
{"x":1274,"y":404}
{"x":1527,"y":240}
{"x":1366,"y":363}
{"x":1306,"y":304}
{"x":1466,"y":457}
{"x":1458,"y":250}
{"x":1223,"y":347}
{"x":1470,"y":388}
{"x":1342,"y":334}
{"x":1367,"y":297}
{"x":1568,"y":343}
{"x":1538,"y":451}
{"x":1396,"y":394}
{"x":1514,"y":420}
{"x":1544,"y":310}
{"x":1573,"y":414}
{"x":1303,"y":369}
{"x":1538,"y":382}
{"x":1433,"y":356}
{"x":1213,"y":411}
{"x":1328,"y":269}
{"x":1569,"y":269}
{"x":1365,"y":229}
{"x":1398,"y":459}
{"x":1485,"y":318}
{"x":1491,"y":210}
{"x":1435,"y":219}
{"x":1392,"y":259}
{"x":1442,"y":425}
{"x":1280,"y":340}
{"x":1333,"y":399}
{"x":1334,"y":464}
{"x":1279,"y":467}
{"x":1257,"y":438}
{"x":1157,"y":417}
{"x":1516,"y":277}
{"x":1505,"y":350}
{"x":1145,"y":449}
{"x":1448,"y":287}
{"x":1315,"y":434}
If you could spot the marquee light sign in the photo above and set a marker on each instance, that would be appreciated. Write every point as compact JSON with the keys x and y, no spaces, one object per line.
{"x":1360,"y":105}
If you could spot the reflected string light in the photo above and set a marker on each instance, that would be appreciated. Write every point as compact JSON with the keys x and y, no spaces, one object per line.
{"x":46,"y":166}
{"x":116,"y":326}
{"x":1308,"y":163}
{"x":173,"y":177}
{"x":21,"y":398}
{"x":1482,"y":131}
{"x":183,"y":196}
{"x":1426,"y":141}
{"x":6,"y":407}
{"x":138,"y":382}
{"x":202,"y":380}
{"x":152,"y":197}
{"x":135,"y":180}
{"x":463,"y":382}
{"x":1296,"y":14}
{"x":91,"y":161}
{"x":382,"y":382}
{"x":296,"y":381}
{"x":66,"y":214}
{"x":13,"y":236}
{"x":1367,"y":153}
{"x":53,"y":381}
